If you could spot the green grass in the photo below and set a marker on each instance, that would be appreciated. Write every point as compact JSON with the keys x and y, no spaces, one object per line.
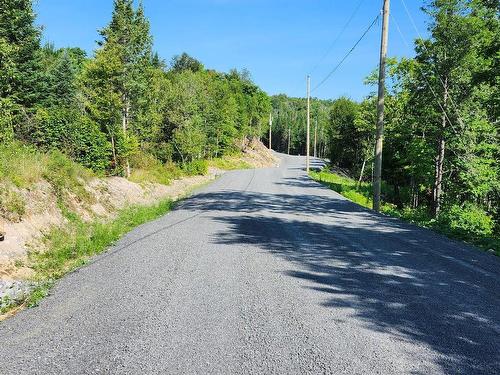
{"x":23,"y":166}
{"x":146,"y":169}
{"x":360,"y":194}
{"x":229,"y":163}
{"x":71,"y":246}
{"x":463,"y":224}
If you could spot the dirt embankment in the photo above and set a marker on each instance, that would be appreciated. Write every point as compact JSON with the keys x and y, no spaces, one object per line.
{"x":24,"y":232}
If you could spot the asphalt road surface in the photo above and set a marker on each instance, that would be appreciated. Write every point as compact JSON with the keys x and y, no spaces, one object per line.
{"x":267,"y":272}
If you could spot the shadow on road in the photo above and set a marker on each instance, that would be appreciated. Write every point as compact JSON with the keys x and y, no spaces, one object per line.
{"x":399,"y":279}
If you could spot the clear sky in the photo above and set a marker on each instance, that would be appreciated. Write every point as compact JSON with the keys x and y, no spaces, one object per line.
{"x":278,"y":41}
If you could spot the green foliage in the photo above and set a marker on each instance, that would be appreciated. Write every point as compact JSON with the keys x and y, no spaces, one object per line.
{"x":20,"y":164}
{"x":466,"y":222}
{"x":195,"y":167}
{"x":358,"y":193}
{"x":441,"y":146}
{"x":185,"y":62}
{"x":23,"y":166}
{"x":21,"y":76}
{"x":189,"y":141}
{"x":229,"y":162}
{"x":66,"y":176}
{"x":146,"y":169}
{"x":12,"y":204}
{"x":289,"y":117}
{"x":104,"y":110}
{"x":7,"y":120}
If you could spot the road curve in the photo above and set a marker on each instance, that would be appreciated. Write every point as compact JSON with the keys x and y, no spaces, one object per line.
{"x":267,"y":272}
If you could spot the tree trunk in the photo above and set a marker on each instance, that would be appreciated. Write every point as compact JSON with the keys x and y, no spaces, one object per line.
{"x":438,"y":170}
{"x":113,"y":149}
{"x":362,"y":172}
{"x":414,"y":193}
{"x":125,"y":121}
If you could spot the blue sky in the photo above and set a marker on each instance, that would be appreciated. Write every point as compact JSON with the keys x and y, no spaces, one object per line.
{"x":278,"y":41}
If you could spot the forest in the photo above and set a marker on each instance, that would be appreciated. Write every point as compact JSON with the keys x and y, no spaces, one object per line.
{"x":441,"y":148}
{"x":124,"y":107}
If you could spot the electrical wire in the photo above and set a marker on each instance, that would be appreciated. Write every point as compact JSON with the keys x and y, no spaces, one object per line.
{"x":344,"y":28}
{"x":346,"y":55}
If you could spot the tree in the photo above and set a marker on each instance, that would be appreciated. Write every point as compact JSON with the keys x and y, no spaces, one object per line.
{"x":185,"y":62}
{"x":20,"y":64}
{"x":117,"y":78}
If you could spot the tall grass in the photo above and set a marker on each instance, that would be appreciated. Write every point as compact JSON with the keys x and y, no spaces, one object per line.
{"x":23,"y":166}
{"x":229,"y":163}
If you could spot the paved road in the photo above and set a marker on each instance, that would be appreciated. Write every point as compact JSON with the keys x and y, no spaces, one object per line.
{"x":267,"y":272}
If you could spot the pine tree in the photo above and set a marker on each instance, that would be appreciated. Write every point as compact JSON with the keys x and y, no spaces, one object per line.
{"x":20,"y":53}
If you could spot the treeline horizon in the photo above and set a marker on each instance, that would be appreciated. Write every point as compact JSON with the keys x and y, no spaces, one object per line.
{"x":123,"y":106}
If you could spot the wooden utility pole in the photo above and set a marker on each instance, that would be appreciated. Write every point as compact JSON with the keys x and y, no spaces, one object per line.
{"x":315,"y":137}
{"x":308,"y":136}
{"x":270,"y":128}
{"x":289,"y":136}
{"x":377,"y":177}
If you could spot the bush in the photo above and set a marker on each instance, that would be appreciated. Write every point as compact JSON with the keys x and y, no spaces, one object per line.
{"x":88,"y":145}
{"x":7,"y":114}
{"x":80,"y":138}
{"x":196,"y":167}
{"x":466,"y":221}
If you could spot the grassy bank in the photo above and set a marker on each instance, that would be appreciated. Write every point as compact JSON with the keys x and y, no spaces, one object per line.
{"x":71,"y":246}
{"x":230,"y":162}
{"x":466,"y":223}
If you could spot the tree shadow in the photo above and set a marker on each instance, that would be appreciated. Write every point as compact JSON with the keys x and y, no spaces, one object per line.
{"x":399,"y":279}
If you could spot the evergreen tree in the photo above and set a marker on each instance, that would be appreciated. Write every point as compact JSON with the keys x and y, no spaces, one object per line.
{"x":20,"y":62}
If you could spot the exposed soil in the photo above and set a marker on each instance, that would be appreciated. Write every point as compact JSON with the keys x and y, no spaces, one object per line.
{"x":108,"y":196}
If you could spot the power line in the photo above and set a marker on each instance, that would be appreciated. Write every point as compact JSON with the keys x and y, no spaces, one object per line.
{"x":346,"y":55}
{"x":344,"y":28}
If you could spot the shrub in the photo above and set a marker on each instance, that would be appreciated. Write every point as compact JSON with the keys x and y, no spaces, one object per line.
{"x":88,"y":145}
{"x":466,"y":221}
{"x":146,"y":168}
{"x":67,"y":129}
{"x":196,"y":167}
